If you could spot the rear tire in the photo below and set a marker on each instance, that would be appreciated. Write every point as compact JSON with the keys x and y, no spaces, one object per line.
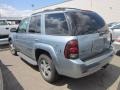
{"x":47,"y":68}
{"x":12,"y":49}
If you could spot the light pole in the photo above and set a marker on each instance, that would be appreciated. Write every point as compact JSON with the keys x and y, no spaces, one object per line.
{"x":0,"y":12}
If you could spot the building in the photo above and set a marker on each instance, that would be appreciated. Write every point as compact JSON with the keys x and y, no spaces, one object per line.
{"x":11,"y":20}
{"x":108,"y":9}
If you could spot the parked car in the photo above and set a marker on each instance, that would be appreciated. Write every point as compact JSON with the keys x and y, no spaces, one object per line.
{"x":116,"y":45}
{"x":114,"y":30}
{"x":69,"y":42}
{"x":5,"y":27}
{"x":112,"y":24}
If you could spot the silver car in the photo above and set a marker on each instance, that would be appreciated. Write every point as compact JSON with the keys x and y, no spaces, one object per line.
{"x":63,"y":41}
{"x":5,"y":30}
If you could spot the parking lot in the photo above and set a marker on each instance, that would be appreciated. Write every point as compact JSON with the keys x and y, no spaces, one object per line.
{"x":18,"y":75}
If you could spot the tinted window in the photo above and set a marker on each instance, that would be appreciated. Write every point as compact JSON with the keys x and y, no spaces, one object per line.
{"x":23,"y":26}
{"x":55,"y":24}
{"x":35,"y":24}
{"x":85,"y":22}
{"x":3,"y":22}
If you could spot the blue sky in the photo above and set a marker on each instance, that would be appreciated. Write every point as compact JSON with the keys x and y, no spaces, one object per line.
{"x":27,"y":4}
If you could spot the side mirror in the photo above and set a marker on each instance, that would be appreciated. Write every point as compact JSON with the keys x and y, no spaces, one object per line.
{"x":13,"y":30}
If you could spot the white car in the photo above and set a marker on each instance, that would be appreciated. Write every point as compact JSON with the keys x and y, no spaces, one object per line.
{"x":115,"y":31}
{"x":4,"y":31}
{"x":116,"y":45}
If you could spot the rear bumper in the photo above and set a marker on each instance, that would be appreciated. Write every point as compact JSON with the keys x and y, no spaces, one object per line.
{"x":78,"y":68}
{"x":4,"y":41}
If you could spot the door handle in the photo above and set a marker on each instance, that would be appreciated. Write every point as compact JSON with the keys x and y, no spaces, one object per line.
{"x":36,"y":40}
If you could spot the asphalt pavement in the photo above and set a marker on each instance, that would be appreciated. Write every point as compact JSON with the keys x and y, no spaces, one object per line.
{"x":19,"y":75}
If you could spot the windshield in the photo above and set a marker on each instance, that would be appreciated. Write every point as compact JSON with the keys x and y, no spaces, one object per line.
{"x":112,"y":24}
{"x":85,"y":22}
{"x":116,"y":27}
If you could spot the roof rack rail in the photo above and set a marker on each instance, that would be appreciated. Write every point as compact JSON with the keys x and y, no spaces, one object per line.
{"x":56,"y":9}
{"x":63,"y":8}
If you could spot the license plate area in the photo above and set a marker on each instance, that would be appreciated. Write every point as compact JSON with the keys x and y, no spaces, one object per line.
{"x":98,"y":45}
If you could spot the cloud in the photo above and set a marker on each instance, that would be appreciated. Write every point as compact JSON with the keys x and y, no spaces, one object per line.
{"x":10,"y":11}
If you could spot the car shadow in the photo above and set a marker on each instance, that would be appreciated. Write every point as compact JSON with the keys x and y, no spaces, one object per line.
{"x":118,"y":86}
{"x":100,"y":80}
{"x":32,"y":67}
{"x":118,"y":53}
{"x":9,"y":80}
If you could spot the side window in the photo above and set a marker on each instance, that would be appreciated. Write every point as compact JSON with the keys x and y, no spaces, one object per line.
{"x":35,"y":24}
{"x":56,"y":24}
{"x":23,"y":25}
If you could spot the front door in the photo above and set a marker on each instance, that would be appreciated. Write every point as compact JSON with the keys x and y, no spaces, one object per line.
{"x":20,"y":36}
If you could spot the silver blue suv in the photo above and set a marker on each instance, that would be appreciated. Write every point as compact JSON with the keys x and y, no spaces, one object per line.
{"x":64,"y":41}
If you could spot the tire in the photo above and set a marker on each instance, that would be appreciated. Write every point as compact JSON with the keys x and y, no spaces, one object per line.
{"x":47,"y":68}
{"x":118,"y":53}
{"x":12,"y":49}
{"x":105,"y":66}
{"x":111,"y":38}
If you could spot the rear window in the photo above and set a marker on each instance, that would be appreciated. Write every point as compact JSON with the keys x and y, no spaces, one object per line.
{"x":56,"y":24}
{"x":85,"y":22}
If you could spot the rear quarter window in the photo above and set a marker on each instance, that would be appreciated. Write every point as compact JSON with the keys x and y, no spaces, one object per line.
{"x":56,"y":24}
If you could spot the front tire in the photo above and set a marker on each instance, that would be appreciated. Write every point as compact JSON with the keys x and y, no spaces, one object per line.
{"x":12,"y":49}
{"x":47,"y":68}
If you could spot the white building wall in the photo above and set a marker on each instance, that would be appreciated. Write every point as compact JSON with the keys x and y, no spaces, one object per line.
{"x":108,"y":9}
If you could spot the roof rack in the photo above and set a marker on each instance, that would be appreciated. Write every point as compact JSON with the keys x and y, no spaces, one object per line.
{"x":66,"y":8}
{"x":56,"y":9}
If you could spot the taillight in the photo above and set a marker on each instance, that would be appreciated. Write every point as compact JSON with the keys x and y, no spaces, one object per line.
{"x":71,"y":50}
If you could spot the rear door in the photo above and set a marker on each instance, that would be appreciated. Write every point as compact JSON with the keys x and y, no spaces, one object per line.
{"x":90,"y":30}
{"x":33,"y":35}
